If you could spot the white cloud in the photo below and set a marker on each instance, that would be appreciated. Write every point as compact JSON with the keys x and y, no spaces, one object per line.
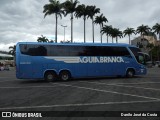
{"x":23,"y":20}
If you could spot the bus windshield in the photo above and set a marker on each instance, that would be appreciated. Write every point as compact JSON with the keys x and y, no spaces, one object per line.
{"x":141,"y":57}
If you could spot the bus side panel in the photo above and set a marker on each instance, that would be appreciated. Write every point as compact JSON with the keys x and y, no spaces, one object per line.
{"x":37,"y":67}
{"x":17,"y":61}
{"x":81,"y":70}
{"x":119,"y":69}
{"x":25,"y":67}
{"x":77,"y":69}
{"x":99,"y":69}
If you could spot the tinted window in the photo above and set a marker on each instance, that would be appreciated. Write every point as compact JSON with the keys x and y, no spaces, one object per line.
{"x":114,"y":51}
{"x":64,"y":50}
{"x":33,"y":50}
{"x":135,"y":51}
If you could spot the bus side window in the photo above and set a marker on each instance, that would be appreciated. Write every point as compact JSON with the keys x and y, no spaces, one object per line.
{"x":41,"y":51}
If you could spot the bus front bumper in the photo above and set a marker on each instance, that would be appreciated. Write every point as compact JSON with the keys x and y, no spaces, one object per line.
{"x":142,"y":71}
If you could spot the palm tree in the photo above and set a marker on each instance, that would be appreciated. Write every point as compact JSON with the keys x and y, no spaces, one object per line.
{"x":54,"y":7}
{"x":51,"y":41}
{"x":143,"y":30}
{"x":106,"y":30}
{"x":82,"y":10}
{"x":42,"y":39}
{"x":13,"y":50}
{"x":92,"y":11}
{"x":156,"y":29}
{"x":100,"y":20}
{"x":129,"y":32}
{"x":119,"y":34}
{"x":70,"y":7}
{"x":115,"y":33}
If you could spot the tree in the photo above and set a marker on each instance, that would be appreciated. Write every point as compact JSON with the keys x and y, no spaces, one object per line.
{"x":156,"y":29}
{"x":106,"y":30}
{"x":51,"y":41}
{"x":92,"y":11}
{"x":67,"y":41}
{"x":129,"y":32}
{"x":143,"y":30}
{"x":54,"y":7}
{"x":82,"y":10}
{"x":42,"y":39}
{"x":12,"y":50}
{"x":100,"y":20}
{"x":149,"y":47}
{"x":155,"y":51}
{"x":69,"y":8}
{"x":115,"y":33}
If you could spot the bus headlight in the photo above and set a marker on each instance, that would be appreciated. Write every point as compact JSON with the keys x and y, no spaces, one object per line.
{"x":142,"y":70}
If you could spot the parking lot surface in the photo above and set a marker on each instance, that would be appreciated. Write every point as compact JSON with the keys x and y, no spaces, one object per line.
{"x":141,"y":93}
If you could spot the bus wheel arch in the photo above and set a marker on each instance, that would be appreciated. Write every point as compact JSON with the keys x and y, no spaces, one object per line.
{"x":64,"y":75}
{"x":50,"y":75}
{"x":130,"y":73}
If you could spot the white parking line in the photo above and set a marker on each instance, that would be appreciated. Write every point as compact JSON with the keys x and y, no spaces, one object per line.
{"x":120,"y":85}
{"x":79,"y":104}
{"x":138,"y":83}
{"x":8,"y":80}
{"x":28,"y":87}
{"x":105,"y":91}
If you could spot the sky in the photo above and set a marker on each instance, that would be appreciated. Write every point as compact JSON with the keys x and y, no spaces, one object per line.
{"x":23,"y":20}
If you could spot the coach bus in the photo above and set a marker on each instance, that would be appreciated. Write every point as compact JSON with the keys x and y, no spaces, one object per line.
{"x":51,"y":61}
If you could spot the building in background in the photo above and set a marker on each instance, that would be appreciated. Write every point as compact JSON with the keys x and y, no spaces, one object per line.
{"x":150,"y":44}
{"x":151,"y":38}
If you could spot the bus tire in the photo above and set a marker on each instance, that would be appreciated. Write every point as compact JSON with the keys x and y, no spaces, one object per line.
{"x":130,"y":73}
{"x":65,"y":75}
{"x":50,"y":76}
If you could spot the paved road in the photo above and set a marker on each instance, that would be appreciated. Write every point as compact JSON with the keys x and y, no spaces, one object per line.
{"x":101,"y":94}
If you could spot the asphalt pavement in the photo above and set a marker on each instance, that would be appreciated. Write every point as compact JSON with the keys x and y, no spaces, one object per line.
{"x":94,"y":98}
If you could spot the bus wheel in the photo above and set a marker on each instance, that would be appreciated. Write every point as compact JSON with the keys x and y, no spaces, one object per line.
{"x":50,"y":76}
{"x":65,"y":75}
{"x":130,"y":73}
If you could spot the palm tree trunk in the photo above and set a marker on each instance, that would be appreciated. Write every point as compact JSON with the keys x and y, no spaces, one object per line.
{"x":129,"y":40}
{"x":100,"y":32}
{"x":71,"y":27}
{"x":56,"y":29}
{"x":112,"y":39}
{"x":93,"y":29}
{"x":84,"y":30}
{"x":116,"y":40}
{"x":107,"y":38}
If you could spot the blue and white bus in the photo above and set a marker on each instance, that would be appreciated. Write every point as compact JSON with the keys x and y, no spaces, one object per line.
{"x":50,"y":61}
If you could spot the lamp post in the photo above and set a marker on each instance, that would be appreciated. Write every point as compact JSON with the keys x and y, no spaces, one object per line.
{"x":64,"y":26}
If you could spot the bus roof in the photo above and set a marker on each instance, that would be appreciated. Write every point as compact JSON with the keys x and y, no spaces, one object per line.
{"x":81,"y":44}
